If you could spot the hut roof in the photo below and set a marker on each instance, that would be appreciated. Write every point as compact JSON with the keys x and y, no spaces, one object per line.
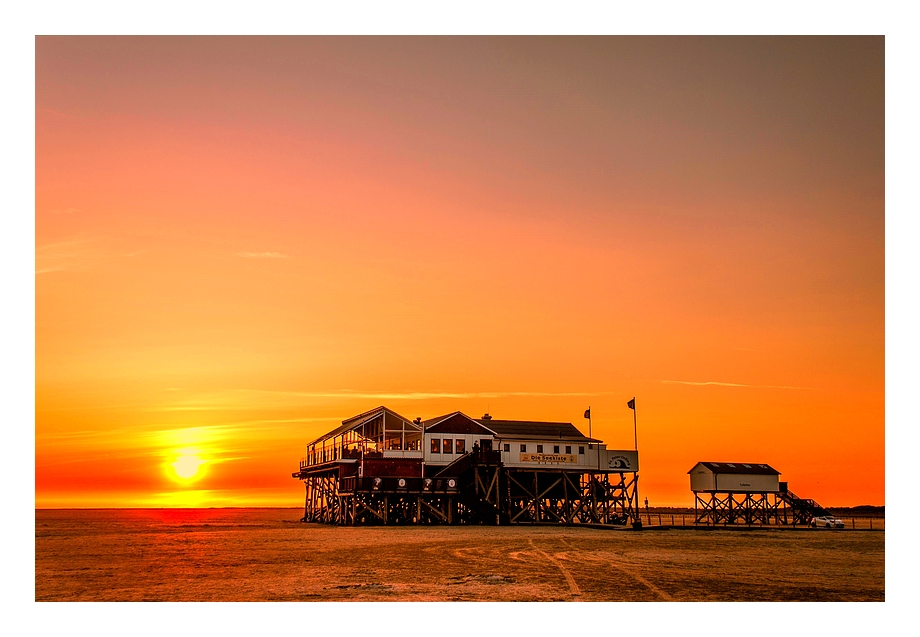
{"x":738,"y":468}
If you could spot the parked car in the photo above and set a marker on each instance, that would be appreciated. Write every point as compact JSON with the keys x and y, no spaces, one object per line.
{"x":828,"y":522}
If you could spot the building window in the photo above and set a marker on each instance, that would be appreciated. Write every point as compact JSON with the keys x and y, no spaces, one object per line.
{"x":507,"y":447}
{"x":555,"y":448}
{"x":447,"y":445}
{"x":435,"y":445}
{"x":539,"y":448}
{"x":568,"y":448}
{"x":523,"y":448}
{"x":581,"y":449}
{"x":461,"y":445}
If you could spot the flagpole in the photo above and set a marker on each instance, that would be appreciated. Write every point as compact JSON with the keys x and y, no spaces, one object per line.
{"x":632,"y":405}
{"x":635,"y":427}
{"x":589,"y":422}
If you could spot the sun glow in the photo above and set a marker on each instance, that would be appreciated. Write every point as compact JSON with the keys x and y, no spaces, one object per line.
{"x":186,"y":466}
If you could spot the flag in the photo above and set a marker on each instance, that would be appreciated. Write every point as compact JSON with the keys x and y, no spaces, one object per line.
{"x":632,"y":404}
{"x":588,"y":412}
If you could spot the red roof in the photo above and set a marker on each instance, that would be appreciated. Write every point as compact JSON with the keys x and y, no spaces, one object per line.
{"x":528,"y":429}
{"x":455,"y":423}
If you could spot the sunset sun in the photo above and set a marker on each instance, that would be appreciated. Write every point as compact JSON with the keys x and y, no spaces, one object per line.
{"x":186,"y":467}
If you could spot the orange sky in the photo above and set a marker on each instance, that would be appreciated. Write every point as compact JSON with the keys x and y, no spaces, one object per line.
{"x":242,"y":241}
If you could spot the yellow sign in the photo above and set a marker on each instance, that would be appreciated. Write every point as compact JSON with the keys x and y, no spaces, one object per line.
{"x":550,"y":457}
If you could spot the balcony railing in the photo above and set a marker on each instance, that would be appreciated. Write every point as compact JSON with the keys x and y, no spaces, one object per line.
{"x":399,"y":485}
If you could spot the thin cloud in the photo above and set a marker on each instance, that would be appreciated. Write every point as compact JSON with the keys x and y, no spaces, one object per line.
{"x":427,"y":395}
{"x":218,"y":443}
{"x":63,"y":255}
{"x":262,"y":255}
{"x":418,"y":395}
{"x":77,"y":254}
{"x":719,"y":384}
{"x":258,"y":398}
{"x":45,"y":109}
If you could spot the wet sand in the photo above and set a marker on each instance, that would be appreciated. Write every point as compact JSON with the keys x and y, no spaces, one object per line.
{"x":267,"y":554}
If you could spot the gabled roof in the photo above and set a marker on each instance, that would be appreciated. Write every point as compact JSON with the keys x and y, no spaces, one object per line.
{"x":750,"y":468}
{"x":455,"y":423}
{"x":356,"y":421}
{"x":371,"y":413}
{"x":528,"y":429}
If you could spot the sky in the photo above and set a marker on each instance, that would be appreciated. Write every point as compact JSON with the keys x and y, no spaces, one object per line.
{"x":241,"y":242}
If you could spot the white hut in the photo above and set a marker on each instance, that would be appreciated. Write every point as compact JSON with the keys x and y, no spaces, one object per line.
{"x":733,"y":477}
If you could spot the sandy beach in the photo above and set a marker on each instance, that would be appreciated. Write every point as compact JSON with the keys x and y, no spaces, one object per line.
{"x":267,"y":554}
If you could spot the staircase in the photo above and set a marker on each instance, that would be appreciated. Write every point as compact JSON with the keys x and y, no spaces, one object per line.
{"x":478,"y":474}
{"x":457,"y":467}
{"x":803,"y":509}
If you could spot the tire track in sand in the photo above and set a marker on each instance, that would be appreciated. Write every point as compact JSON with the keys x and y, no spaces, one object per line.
{"x":573,"y":586}
{"x":630,"y":573}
